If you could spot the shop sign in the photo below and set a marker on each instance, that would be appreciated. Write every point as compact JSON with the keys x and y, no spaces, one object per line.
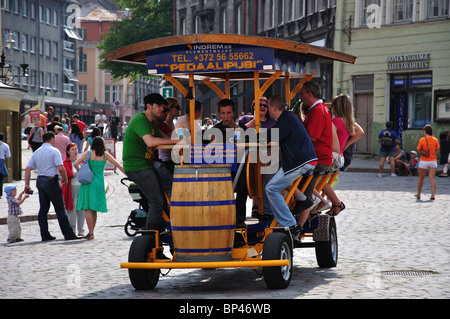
{"x":408,"y":62}
{"x":204,"y":58}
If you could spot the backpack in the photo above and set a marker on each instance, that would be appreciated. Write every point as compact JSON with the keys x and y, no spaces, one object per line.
{"x":386,"y":140}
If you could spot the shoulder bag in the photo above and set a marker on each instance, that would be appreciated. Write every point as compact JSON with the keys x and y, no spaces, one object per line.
{"x":422,"y":152}
{"x":85,"y":174}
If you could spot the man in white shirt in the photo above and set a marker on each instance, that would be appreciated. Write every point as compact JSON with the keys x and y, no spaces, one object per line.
{"x":47,"y":160}
{"x":101,"y":120}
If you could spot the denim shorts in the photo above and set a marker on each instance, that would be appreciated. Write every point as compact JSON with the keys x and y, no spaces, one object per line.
{"x":384,"y":153}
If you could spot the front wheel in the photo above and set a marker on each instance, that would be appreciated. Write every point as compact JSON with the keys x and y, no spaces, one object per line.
{"x":277,"y":247}
{"x":142,"y":279}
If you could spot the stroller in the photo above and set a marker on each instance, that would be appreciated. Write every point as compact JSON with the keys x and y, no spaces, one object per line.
{"x":138,"y":217}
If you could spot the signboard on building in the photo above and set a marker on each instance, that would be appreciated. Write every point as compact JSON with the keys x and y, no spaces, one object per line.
{"x":204,"y":58}
{"x":408,"y":62}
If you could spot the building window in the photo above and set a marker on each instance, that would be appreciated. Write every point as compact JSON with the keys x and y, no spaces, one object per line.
{"x":238,"y":19}
{"x":82,"y":93}
{"x":223,"y":20}
{"x":437,"y":9}
{"x":55,"y":82}
{"x":24,"y":42}
{"x":47,"y":48}
{"x":32,"y":44}
{"x":280,"y":8}
{"x":107,"y":94}
{"x":55,"y":50}
{"x":403,"y":10}
{"x":55,"y":18}
{"x":83,"y":62}
{"x":24,"y":7}
{"x":411,"y":96}
{"x":33,"y":11}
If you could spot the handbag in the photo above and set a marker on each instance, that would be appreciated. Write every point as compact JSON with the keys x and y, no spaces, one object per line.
{"x":424,"y":153}
{"x":85,"y":174}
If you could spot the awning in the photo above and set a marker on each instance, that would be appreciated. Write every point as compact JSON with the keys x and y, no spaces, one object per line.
{"x":70,"y":75}
{"x":72,"y":34}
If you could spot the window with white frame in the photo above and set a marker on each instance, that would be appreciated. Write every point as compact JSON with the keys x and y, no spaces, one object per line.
{"x":403,"y":10}
{"x":437,"y":8}
{"x":24,"y":42}
{"x":55,"y":82}
{"x":32,"y":44}
{"x":24,"y":7}
{"x":238,"y":19}
{"x":280,"y":9}
{"x":82,"y":93}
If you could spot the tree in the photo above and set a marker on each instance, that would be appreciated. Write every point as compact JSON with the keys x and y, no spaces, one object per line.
{"x":148,"y":19}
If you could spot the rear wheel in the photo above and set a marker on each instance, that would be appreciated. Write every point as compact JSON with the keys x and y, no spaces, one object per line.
{"x":327,"y":251}
{"x":142,"y":279}
{"x":277,"y":247}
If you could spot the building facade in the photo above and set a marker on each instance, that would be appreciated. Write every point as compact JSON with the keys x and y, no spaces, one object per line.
{"x":402,"y":71}
{"x":310,"y":21}
{"x":46,"y":42}
{"x":97,"y":88}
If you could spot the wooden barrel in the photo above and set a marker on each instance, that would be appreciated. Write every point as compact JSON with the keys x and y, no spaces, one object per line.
{"x":202,"y":213}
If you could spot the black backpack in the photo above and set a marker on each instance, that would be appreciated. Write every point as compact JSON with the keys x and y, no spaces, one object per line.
{"x":386,"y":140}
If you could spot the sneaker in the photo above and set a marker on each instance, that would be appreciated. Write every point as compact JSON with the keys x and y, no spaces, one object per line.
{"x":443,"y":175}
{"x":295,"y":231}
{"x":379,"y":175}
{"x":393,"y":175}
{"x":302,"y":205}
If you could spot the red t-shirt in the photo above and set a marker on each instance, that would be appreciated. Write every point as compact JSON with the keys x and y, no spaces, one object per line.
{"x":318,"y":125}
{"x":81,"y":125}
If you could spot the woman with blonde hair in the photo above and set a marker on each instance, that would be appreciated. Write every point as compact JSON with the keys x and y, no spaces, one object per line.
{"x":346,"y":126}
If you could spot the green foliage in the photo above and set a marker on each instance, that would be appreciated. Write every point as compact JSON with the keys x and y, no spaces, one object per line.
{"x":148,"y":19}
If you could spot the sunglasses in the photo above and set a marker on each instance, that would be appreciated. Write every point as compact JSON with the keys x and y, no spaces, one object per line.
{"x":165,"y":110}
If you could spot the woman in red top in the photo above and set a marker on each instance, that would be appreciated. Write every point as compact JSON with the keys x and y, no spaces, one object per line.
{"x":70,"y":191}
{"x":431,"y":144}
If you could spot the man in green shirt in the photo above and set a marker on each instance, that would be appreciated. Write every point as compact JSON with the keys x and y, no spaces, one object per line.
{"x":138,"y":150}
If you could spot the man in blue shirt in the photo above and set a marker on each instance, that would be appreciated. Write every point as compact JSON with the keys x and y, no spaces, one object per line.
{"x":387,"y":139}
{"x":297,"y":157}
{"x":47,"y":160}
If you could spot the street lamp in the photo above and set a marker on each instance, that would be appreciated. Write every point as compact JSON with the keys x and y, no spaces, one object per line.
{"x":6,"y":76}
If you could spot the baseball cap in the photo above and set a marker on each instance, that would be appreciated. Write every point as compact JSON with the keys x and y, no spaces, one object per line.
{"x":155,"y":98}
{"x":414,"y":152}
{"x":8,"y":189}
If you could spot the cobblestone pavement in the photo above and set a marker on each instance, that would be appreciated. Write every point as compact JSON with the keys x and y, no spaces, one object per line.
{"x":390,"y":246}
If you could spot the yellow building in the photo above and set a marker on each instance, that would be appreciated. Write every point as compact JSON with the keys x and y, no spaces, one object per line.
{"x":402,"y":72}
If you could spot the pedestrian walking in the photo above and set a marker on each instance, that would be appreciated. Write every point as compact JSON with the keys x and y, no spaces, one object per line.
{"x":387,"y":139}
{"x":47,"y":160}
{"x":70,"y":191}
{"x":428,"y":148}
{"x":92,"y":196}
{"x":14,"y":210}
{"x":35,"y":138}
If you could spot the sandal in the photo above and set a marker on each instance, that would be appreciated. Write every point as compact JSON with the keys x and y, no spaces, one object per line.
{"x":89,"y":236}
{"x":341,"y":207}
{"x":417,"y":196}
